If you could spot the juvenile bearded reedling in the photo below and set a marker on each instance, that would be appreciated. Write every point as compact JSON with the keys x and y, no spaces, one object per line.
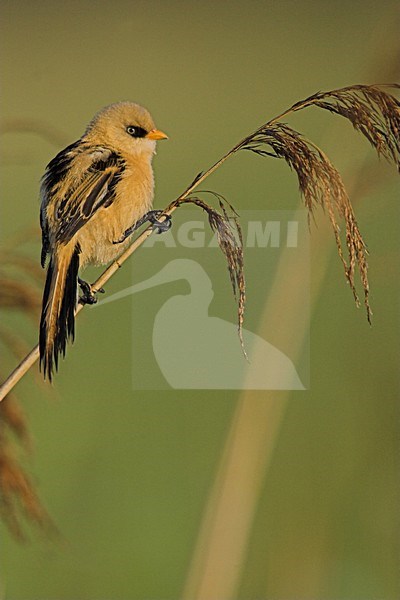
{"x":94,"y":193}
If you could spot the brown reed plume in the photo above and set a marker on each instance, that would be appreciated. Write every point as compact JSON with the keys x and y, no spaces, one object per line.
{"x":372,"y":111}
{"x":320,"y":184}
{"x":18,"y":498}
{"x":230,"y":240}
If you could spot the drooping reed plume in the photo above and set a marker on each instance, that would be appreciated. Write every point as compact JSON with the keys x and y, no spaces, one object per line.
{"x":373,"y":112}
{"x":320,"y":184}
{"x":225,"y":223}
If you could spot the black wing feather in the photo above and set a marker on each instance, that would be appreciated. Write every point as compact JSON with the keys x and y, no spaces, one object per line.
{"x":94,"y":190}
{"x":77,"y":213}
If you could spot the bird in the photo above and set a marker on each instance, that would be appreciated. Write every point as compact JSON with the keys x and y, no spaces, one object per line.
{"x":94,"y":194}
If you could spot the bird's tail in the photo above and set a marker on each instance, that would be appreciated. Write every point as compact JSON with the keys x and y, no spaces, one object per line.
{"x":57,"y":323}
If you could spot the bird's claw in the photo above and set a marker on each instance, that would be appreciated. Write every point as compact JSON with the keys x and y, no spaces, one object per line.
{"x":88,"y":299}
{"x":162,"y":226}
{"x":152,"y":217}
{"x":121,"y":239}
{"x":88,"y":296}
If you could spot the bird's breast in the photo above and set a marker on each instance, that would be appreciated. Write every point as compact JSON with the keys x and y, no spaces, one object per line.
{"x":133,"y":197}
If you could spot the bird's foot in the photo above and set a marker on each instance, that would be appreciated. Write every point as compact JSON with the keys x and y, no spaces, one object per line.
{"x":152,"y":217}
{"x":88,"y":296}
{"x":160,"y":226}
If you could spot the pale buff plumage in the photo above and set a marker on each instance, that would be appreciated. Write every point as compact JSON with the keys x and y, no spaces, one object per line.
{"x":92,"y":192}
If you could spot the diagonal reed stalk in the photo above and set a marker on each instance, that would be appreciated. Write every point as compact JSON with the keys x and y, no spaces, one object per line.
{"x":372,"y":111}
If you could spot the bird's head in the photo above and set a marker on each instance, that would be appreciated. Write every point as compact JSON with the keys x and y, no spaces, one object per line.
{"x":126,"y":127}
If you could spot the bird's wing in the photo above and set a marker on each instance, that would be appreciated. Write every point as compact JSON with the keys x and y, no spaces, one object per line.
{"x":56,"y":173}
{"x":66,"y":208}
{"x":96,"y":189}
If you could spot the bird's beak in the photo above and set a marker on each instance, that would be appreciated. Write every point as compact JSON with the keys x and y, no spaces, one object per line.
{"x":156,"y":134}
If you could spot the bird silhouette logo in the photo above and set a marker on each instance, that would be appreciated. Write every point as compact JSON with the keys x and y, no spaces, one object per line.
{"x":206,"y":350}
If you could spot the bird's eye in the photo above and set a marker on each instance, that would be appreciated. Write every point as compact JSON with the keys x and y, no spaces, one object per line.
{"x":136,"y":131}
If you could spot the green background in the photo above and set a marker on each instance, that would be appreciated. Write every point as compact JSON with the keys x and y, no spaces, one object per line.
{"x":127,"y":475}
